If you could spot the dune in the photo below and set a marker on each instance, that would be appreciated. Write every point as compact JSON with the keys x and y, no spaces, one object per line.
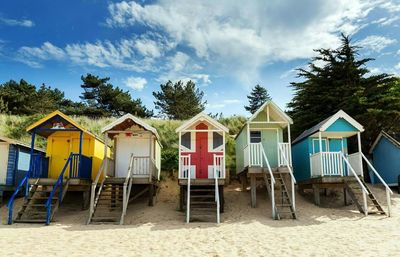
{"x":331,"y":230}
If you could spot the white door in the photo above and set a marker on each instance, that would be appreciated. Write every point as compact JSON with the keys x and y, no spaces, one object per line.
{"x":3,"y":162}
{"x":138,"y":145}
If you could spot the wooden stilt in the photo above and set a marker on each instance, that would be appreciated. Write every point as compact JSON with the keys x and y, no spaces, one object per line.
{"x":151,"y":195}
{"x":317,"y":200}
{"x":253,"y":189}
{"x":181,"y":198}
{"x":86,"y":200}
{"x":221,"y":199}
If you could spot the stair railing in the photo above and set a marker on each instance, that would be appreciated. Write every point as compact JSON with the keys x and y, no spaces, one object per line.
{"x":32,"y":172}
{"x":127,"y":187}
{"x":293,"y":180}
{"x":188,"y":187}
{"x":59,"y":184}
{"x":93,"y":193}
{"x":10,"y":204}
{"x":218,"y":163}
{"x":272,"y":181}
{"x":364,"y":190}
{"x":389,"y":192}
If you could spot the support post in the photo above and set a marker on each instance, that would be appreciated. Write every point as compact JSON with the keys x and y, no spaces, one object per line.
{"x":179,"y":156}
{"x":31,"y":163}
{"x":360,"y":151}
{"x":317,"y":200}
{"x":105,"y":153}
{"x":151,"y":195}
{"x":290,"y":145}
{"x":253,"y":191}
{"x":320,"y":153}
{"x":80,"y":153}
{"x":248,"y":143}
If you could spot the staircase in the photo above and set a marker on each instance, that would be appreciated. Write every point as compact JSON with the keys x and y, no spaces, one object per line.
{"x":108,"y":205}
{"x":283,"y":204}
{"x":356,"y":193}
{"x":202,"y":205}
{"x":34,"y":208}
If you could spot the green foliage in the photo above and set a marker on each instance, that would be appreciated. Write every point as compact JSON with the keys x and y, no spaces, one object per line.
{"x":3,"y":106}
{"x":179,"y":101}
{"x":258,"y":96}
{"x":103,"y":99}
{"x":343,"y":83}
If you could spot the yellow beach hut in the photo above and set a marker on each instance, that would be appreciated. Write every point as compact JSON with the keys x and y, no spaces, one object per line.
{"x":73,"y":157}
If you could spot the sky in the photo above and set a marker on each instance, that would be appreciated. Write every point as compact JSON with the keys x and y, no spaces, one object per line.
{"x":225,"y":46}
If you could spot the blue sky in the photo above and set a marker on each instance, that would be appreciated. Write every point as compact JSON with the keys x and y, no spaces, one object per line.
{"x":226,"y":47}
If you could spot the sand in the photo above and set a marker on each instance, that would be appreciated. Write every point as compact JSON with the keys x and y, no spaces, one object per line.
{"x":332,"y":230}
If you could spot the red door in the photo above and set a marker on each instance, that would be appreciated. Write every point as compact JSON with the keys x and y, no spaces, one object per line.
{"x":202,"y":152}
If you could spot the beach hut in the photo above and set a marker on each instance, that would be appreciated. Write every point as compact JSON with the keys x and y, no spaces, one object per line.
{"x":134,"y":171}
{"x":262,"y":153}
{"x":74,"y":156}
{"x":14,"y":163}
{"x":202,"y":167}
{"x":385,"y":153}
{"x":321,"y":160}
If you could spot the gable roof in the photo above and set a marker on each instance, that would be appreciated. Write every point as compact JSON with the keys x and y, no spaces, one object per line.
{"x":279,"y":111}
{"x":62,"y":116}
{"x":326,"y":123}
{"x":127,"y":121}
{"x":202,"y":116}
{"x":15,"y":142}
{"x":394,"y":138}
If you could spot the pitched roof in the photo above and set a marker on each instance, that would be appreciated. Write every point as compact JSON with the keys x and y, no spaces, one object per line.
{"x":16,"y":142}
{"x":324,"y":125}
{"x":202,"y":116}
{"x":62,"y":116}
{"x":127,"y":121}
{"x":393,"y":137}
{"x":279,"y":111}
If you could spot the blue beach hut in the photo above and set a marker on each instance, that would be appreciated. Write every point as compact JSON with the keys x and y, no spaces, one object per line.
{"x":321,"y":160}
{"x":386,"y":158}
{"x":14,"y":163}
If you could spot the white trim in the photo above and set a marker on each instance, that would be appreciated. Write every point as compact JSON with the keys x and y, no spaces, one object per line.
{"x":200,"y":117}
{"x":388,"y":137}
{"x":281,"y":113}
{"x":326,"y":145}
{"x":345,"y":116}
{"x":135,"y":120}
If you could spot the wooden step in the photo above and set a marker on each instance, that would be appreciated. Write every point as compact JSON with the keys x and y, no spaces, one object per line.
{"x":30,"y":221}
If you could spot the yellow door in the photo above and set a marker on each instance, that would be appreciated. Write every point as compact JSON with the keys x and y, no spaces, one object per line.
{"x":59,"y":155}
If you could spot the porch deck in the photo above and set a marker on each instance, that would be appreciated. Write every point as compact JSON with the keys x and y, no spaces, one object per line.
{"x":201,"y":182}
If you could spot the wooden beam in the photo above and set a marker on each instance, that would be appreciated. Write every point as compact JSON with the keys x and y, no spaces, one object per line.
{"x":253,"y":191}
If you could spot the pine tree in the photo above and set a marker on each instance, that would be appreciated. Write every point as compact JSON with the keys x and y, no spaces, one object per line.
{"x":258,"y":96}
{"x":102,"y":98}
{"x":178,"y":100}
{"x":343,"y":82}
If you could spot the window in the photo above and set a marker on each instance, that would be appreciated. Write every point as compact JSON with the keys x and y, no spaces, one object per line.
{"x":23,"y":161}
{"x":217,"y":140}
{"x":186,"y":140}
{"x":255,"y":136}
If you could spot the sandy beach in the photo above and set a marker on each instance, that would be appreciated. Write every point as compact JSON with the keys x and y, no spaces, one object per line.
{"x":332,"y":230}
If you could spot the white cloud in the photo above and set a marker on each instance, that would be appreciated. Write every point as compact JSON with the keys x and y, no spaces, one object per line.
{"x":376,"y":43}
{"x":13,"y":22}
{"x":397,"y":67}
{"x":215,"y":106}
{"x":232,"y":101}
{"x":239,"y":41}
{"x":136,"y":83}
{"x":32,"y":55}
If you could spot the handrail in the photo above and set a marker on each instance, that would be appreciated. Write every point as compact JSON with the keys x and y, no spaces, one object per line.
{"x":272,"y":181}
{"x":388,"y":190}
{"x":364,"y":190}
{"x":127,"y":192}
{"x":292,"y":178}
{"x":10,"y":204}
{"x":216,"y":184}
{"x":59,"y":183}
{"x":94,"y":185}
{"x":188,"y":191}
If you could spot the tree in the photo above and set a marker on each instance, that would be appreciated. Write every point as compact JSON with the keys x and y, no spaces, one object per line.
{"x":19,"y":97}
{"x":179,"y":101}
{"x":3,"y":106}
{"x":344,"y":82}
{"x":258,"y":96}
{"x":102,"y":98}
